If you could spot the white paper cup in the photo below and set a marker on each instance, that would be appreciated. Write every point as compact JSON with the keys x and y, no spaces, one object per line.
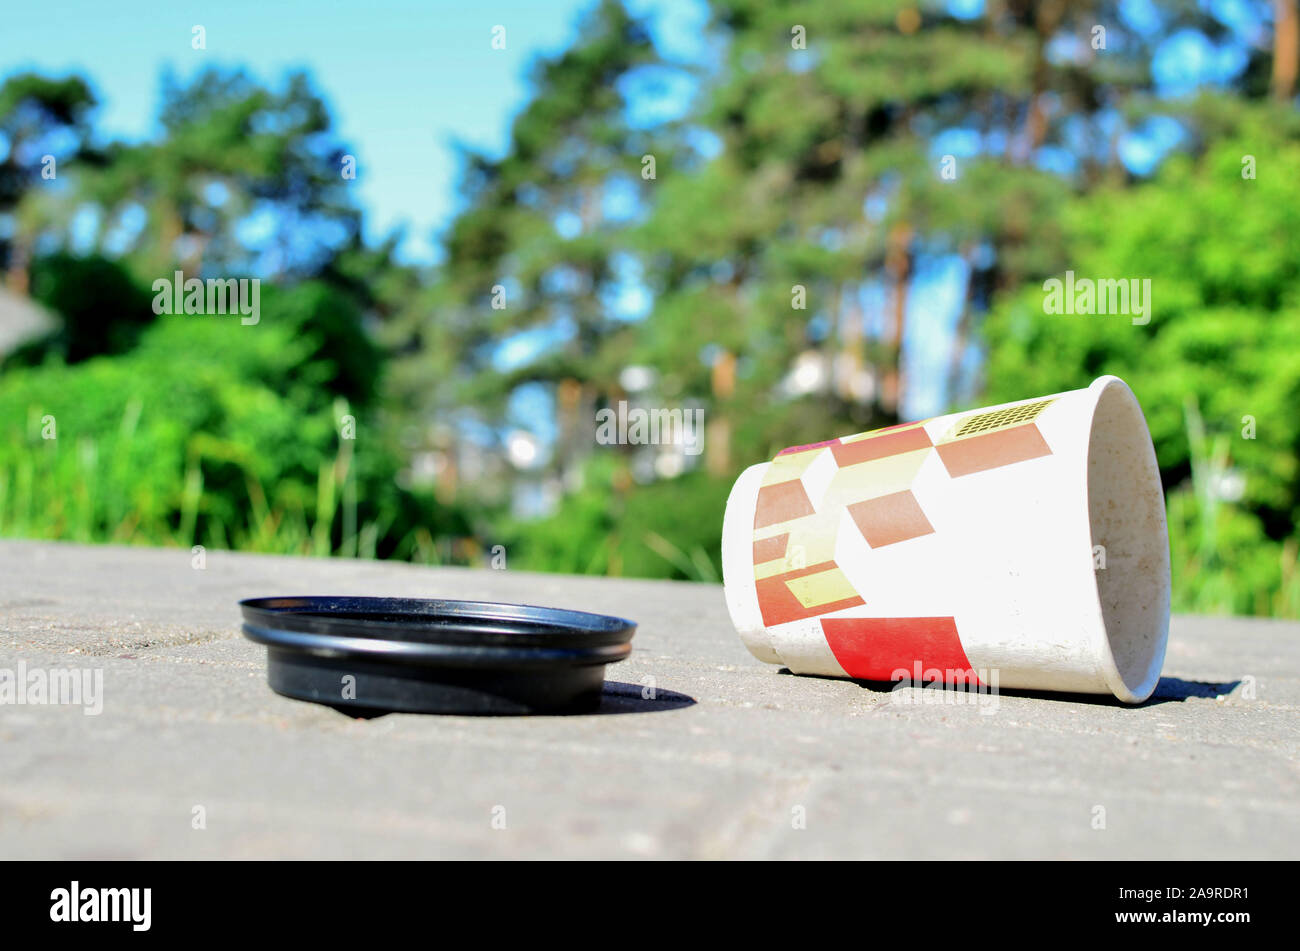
{"x":1024,"y":543}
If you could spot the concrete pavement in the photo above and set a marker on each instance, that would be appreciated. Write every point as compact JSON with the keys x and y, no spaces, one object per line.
{"x":194,"y":757}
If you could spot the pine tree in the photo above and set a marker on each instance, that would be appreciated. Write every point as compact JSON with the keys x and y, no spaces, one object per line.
{"x":536,"y":250}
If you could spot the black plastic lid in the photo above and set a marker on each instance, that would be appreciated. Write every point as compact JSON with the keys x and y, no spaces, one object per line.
{"x":371,"y":655}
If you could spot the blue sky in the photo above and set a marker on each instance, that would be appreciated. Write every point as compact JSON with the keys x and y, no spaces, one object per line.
{"x":404,"y":79}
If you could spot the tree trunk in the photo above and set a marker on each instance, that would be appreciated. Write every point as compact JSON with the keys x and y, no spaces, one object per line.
{"x":717,"y":451}
{"x":898,"y":264}
{"x":961,"y":336}
{"x":852,"y":358}
{"x":1286,"y":49}
{"x":1046,"y":20}
{"x":17,"y":277}
{"x":568,"y":407}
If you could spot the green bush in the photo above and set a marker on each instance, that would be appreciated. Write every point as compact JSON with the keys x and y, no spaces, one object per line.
{"x":1217,"y":368}
{"x":103,"y":309}
{"x":216,"y":433}
{"x":666,"y":529}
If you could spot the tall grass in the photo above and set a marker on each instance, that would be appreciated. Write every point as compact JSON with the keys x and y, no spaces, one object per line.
{"x":53,"y":494}
{"x":1218,"y":562}
{"x":81,"y":492}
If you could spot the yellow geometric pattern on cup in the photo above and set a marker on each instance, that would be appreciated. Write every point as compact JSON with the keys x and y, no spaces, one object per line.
{"x":981,"y":424}
{"x":830,"y":488}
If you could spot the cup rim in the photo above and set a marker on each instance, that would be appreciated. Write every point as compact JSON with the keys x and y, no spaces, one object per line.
{"x":1140,"y":675}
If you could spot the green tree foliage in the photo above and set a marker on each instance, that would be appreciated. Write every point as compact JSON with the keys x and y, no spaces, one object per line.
{"x":535,"y":250}
{"x":832,"y":180}
{"x":199,"y":429}
{"x":830,"y":186}
{"x":230,"y":149}
{"x":1217,"y":368}
{"x":758,"y":252}
{"x":40,"y":119}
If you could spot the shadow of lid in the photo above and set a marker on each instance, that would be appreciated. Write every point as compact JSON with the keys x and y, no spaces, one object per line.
{"x":617,"y":697}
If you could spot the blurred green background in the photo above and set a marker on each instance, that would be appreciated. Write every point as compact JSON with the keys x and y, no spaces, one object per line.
{"x":813,"y":219}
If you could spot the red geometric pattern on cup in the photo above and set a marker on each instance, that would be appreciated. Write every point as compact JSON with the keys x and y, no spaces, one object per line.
{"x":878,"y":648}
{"x":882,"y":517}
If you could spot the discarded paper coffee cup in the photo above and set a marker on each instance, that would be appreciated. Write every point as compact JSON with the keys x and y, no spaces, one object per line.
{"x":1025,"y":541}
